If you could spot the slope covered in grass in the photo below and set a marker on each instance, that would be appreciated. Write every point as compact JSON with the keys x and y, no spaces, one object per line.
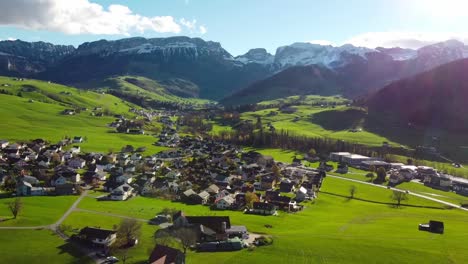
{"x":23,"y":120}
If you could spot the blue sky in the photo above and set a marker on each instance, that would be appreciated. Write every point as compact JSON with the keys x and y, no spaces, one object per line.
{"x":239,"y":24}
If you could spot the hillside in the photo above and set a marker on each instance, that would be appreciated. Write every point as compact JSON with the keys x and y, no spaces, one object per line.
{"x":34,"y":109}
{"x":64,"y":96}
{"x":434,"y":99}
{"x":148,"y":93}
{"x":298,"y":80}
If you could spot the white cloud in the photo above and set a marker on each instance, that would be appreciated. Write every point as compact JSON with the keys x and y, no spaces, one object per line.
{"x":11,"y":39}
{"x":412,"y":40}
{"x":83,"y":17}
{"x":192,"y":27}
{"x":203,"y":30}
{"x":322,"y":42}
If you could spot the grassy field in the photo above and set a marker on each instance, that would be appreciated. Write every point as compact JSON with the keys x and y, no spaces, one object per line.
{"x":150,"y":89}
{"x":37,"y":246}
{"x":37,"y":211}
{"x":327,"y":231}
{"x":333,"y":229}
{"x":23,"y":120}
{"x":65,"y":96}
{"x":305,"y":122}
{"x":307,"y":100}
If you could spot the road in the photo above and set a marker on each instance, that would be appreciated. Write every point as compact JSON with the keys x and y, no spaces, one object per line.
{"x":400,"y":190}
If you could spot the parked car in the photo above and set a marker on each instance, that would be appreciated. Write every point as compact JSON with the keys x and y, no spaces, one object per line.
{"x":111,"y":259}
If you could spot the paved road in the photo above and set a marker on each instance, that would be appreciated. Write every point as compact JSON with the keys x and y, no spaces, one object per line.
{"x":53,"y":226}
{"x":400,"y":190}
{"x":70,"y":210}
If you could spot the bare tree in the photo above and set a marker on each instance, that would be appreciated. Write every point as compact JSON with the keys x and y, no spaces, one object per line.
{"x":16,"y":207}
{"x":352,"y":191}
{"x":187,"y":237}
{"x":128,"y":230}
{"x":398,"y":196}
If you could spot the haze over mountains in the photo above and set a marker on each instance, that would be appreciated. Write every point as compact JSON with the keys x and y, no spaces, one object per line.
{"x":216,"y":74}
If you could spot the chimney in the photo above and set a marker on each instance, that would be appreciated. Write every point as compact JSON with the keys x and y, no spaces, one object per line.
{"x":223,"y":227}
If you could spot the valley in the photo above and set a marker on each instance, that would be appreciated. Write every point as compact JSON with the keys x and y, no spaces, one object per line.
{"x":136,"y":147}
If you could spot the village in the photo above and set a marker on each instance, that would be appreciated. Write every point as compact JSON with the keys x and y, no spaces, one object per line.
{"x":194,"y":171}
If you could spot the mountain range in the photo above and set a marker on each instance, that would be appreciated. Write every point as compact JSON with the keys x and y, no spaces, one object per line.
{"x":206,"y":67}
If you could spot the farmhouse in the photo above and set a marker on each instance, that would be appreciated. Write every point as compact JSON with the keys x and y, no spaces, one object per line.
{"x":263,"y":208}
{"x":97,"y":236}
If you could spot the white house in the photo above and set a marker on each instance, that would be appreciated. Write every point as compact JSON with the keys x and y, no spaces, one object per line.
{"x":225,"y":203}
{"x":75,"y":149}
{"x":301,"y":194}
{"x":98,"y":236}
{"x":121,"y":193}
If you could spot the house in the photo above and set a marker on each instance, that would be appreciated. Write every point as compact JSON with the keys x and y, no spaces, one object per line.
{"x":210,"y":228}
{"x":4,"y":144}
{"x":225,"y":203}
{"x":202,"y":197}
{"x":166,"y":255}
{"x":24,"y":188}
{"x":75,"y":149}
{"x":77,"y":140}
{"x":212,"y":189}
{"x":263,"y":208}
{"x":267,"y":182}
{"x":58,"y":180}
{"x":98,"y":236}
{"x":65,"y":189}
{"x":460,"y":186}
{"x":301,"y":194}
{"x":287,"y":186}
{"x":121,"y":193}
{"x":77,"y":163}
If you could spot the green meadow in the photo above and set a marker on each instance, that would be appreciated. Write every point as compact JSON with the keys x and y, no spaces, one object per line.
{"x":23,"y":120}
{"x":304,"y":122}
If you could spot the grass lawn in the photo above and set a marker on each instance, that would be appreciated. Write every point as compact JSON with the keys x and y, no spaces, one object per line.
{"x":37,"y":246}
{"x":138,"y":253}
{"x":37,"y":211}
{"x":333,"y":229}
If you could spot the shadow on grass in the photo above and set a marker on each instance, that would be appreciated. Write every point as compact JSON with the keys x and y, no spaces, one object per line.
{"x":393,"y":205}
{"x":338,"y":120}
{"x":73,"y":249}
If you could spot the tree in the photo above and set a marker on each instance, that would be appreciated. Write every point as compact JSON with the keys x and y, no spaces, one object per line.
{"x":16,"y":206}
{"x":187,"y":237}
{"x":250,"y":198}
{"x":370,"y":175}
{"x":381,"y":174}
{"x":409,"y":161}
{"x":276,"y":172}
{"x":128,"y":230}
{"x":312,"y":152}
{"x":352,"y":191}
{"x":259,"y":124}
{"x":398,"y":196}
